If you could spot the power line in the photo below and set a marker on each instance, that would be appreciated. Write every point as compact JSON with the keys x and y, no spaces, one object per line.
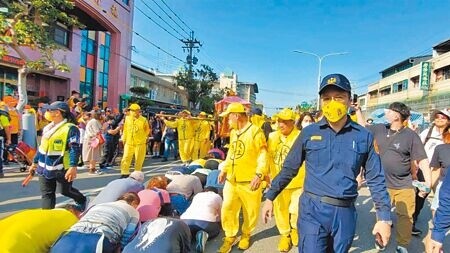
{"x":176,"y":15}
{"x":153,"y":44}
{"x":157,"y":23}
{"x":163,"y":19}
{"x":171,"y":17}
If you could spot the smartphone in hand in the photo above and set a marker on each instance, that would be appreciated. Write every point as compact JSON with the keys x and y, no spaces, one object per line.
{"x":355,"y":98}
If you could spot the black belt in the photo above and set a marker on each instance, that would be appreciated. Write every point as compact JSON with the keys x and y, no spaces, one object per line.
{"x":333,"y":201}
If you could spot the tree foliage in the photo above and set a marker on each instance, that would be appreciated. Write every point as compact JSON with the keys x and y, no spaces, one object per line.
{"x":198,"y":83}
{"x":30,"y":24}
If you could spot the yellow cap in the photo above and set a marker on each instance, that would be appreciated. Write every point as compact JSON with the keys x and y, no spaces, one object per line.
{"x":233,"y":107}
{"x":286,"y":114}
{"x":202,"y":113}
{"x":134,"y":107}
{"x":186,"y":111}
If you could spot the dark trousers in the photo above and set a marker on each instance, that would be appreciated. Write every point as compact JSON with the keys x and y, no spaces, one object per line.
{"x":76,"y":242}
{"x":420,"y":202}
{"x":212,"y":228}
{"x":108,"y":151}
{"x":48,"y":190}
{"x":323,"y":227}
{"x":2,"y":142}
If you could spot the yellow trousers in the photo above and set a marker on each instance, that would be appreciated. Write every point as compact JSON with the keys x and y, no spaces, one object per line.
{"x":200,"y":149}
{"x":235,"y":196}
{"x":186,"y":148}
{"x":138,"y":151}
{"x":404,"y":201}
{"x":285,"y":208}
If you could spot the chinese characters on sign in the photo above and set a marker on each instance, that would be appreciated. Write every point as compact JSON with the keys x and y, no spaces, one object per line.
{"x":425,"y":76}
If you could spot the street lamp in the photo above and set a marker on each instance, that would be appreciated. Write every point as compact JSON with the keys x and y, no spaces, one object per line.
{"x":320,"y":58}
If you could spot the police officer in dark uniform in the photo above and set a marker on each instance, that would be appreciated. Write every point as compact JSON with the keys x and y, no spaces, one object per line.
{"x":334,"y":149}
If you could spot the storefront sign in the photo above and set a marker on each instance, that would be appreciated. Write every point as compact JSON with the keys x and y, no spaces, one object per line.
{"x":13,"y":60}
{"x":425,"y":76}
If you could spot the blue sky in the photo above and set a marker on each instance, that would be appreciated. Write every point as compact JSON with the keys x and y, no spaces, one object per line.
{"x":256,"y":40}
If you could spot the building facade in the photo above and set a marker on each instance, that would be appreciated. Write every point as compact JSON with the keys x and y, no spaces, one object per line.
{"x":99,"y":56}
{"x":163,"y":93}
{"x":423,"y":83}
{"x":245,"y":90}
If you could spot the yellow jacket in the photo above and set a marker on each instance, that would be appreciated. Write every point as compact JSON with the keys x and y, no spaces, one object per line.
{"x":135,"y":131}
{"x":185,"y":128}
{"x":34,"y":230}
{"x":202,"y":131}
{"x":257,"y":120}
{"x":278,"y":148}
{"x":246,"y":155}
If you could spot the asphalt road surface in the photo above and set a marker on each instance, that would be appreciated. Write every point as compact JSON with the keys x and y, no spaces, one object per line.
{"x":14,"y":197}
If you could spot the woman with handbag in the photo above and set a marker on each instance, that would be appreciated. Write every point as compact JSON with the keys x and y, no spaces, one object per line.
{"x":93,"y":141}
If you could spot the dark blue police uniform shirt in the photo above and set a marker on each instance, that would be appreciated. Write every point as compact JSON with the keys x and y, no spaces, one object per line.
{"x":333,"y":161}
{"x":442,"y":217}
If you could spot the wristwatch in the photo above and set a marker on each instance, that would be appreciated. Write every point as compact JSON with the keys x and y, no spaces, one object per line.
{"x":389,"y":222}
{"x":259,"y":175}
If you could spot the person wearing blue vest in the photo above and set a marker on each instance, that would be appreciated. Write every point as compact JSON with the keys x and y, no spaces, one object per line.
{"x":334,"y":150}
{"x":57,"y":157}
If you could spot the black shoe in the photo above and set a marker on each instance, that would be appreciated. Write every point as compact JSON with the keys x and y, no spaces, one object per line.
{"x":416,"y":231}
{"x":124,"y":176}
{"x":164,"y":159}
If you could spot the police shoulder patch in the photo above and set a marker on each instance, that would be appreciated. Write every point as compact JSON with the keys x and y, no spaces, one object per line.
{"x":316,"y":138}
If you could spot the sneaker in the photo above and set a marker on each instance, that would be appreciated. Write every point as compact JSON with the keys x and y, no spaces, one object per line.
{"x":294,"y":237}
{"x":285,"y":243}
{"x":401,"y":249}
{"x":201,"y":237}
{"x":415,"y":231}
{"x":228,"y":243}
{"x":81,"y":207}
{"x":244,"y":243}
{"x":99,"y":172}
{"x":164,"y":159}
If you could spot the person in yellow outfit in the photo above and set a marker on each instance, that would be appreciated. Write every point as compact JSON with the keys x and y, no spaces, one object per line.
{"x":186,"y":129}
{"x":257,"y":118}
{"x":135,"y":132}
{"x":243,"y":170}
{"x":286,"y":204}
{"x":35,"y":230}
{"x":201,"y":139}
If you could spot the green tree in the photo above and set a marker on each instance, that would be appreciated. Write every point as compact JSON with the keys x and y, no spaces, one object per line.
{"x":207,"y":102}
{"x":198,"y":83}
{"x":30,"y":24}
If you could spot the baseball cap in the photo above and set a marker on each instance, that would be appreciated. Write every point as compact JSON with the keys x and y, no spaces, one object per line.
{"x":134,"y":107}
{"x":186,"y":111}
{"x":286,"y":114}
{"x":256,"y":111}
{"x":400,"y":108}
{"x":443,"y":112}
{"x":58,"y":105}
{"x":337,"y":80}
{"x":138,"y":176}
{"x":202,"y":114}
{"x":234,"y":107}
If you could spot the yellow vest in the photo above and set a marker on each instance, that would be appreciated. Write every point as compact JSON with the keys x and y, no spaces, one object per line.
{"x":246,"y":155}
{"x":278,"y":148}
{"x":55,"y":146}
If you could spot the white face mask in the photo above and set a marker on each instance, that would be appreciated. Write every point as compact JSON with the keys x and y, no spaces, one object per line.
{"x":305,"y":124}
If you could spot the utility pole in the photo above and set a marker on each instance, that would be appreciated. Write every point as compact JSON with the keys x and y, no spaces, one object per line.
{"x":191,"y":44}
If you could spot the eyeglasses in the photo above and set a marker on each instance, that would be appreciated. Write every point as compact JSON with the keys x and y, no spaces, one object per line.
{"x":440,"y":116}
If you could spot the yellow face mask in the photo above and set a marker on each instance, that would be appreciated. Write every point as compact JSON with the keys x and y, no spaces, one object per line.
{"x":334,"y":111}
{"x":48,"y":116}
